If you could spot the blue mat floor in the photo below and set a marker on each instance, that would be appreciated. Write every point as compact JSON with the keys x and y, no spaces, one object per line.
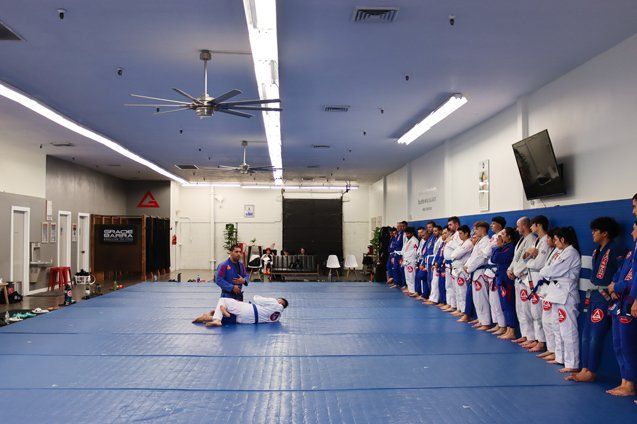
{"x":343,"y":353}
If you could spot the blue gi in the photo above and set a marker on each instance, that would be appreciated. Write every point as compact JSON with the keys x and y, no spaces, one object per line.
{"x":390,"y":259}
{"x":422,"y":277}
{"x":502,"y":257}
{"x":399,"y":274}
{"x":226,"y":272}
{"x":606,"y":262}
{"x":624,"y":325}
{"x":439,"y":260}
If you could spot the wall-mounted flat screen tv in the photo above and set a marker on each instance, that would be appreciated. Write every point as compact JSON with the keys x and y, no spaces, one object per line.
{"x":540,"y":173}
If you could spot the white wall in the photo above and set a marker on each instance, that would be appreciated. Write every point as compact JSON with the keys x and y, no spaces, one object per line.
{"x":589,"y":113}
{"x":22,"y":168}
{"x":203,"y":212}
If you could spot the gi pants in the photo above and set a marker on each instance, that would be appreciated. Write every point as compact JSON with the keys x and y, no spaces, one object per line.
{"x":548,"y":325}
{"x":625,"y":345}
{"x":461,"y":290}
{"x":480,"y":289}
{"x":507,"y":301}
{"x":566,"y":336}
{"x":523,"y":310}
{"x":410,"y":277}
{"x":596,"y":324}
{"x":495,"y":305}
{"x":450,"y":286}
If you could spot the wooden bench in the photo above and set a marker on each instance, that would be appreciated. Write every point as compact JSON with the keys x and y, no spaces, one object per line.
{"x":295,"y":265}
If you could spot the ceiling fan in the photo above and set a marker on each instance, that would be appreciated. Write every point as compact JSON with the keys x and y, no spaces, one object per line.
{"x":244,"y":168}
{"x":206,"y":105}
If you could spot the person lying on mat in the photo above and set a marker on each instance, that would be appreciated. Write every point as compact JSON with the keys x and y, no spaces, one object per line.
{"x":232,"y":275}
{"x":261,"y":310}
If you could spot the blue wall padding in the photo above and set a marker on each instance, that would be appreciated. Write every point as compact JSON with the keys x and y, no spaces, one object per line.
{"x":579,"y":217}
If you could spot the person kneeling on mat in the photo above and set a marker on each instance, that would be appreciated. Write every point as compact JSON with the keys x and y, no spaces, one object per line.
{"x":261,"y":310}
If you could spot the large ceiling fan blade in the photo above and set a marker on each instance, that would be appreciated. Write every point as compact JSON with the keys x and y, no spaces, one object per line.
{"x":235,"y":168}
{"x":271,"y":109}
{"x":226,"y":96}
{"x":159,"y":98}
{"x":252,"y":102}
{"x":173,"y":110}
{"x":151,"y":105}
{"x":183,"y":93}
{"x":232,"y":112}
{"x":262,"y":168}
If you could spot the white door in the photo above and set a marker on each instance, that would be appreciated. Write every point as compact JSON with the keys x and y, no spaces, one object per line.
{"x":20,"y":236}
{"x":64,"y":238}
{"x":83,"y":241}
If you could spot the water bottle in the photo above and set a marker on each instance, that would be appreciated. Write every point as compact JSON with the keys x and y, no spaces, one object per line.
{"x":6,"y":317}
{"x":115,"y":285}
{"x":198,"y":278}
{"x":155,"y":278}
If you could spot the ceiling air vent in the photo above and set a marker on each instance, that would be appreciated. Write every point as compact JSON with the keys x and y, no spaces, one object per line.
{"x":7,"y":35}
{"x":375,"y":14}
{"x":187,"y":166}
{"x":321,"y":146}
{"x":62,"y":144}
{"x":313,"y":166}
{"x":335,"y":108}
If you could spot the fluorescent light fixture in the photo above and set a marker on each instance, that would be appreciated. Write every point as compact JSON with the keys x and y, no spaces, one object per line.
{"x":447,"y":108}
{"x":308,"y":188}
{"x":202,"y":184}
{"x":262,"y":32}
{"x":37,"y":107}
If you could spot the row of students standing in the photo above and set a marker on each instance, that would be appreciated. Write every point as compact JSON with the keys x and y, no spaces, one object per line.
{"x":522,"y":284}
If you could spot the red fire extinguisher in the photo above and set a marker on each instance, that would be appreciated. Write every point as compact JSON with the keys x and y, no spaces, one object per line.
{"x":174,"y":241}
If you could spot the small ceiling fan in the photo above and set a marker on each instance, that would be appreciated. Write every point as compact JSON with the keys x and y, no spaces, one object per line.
{"x":244,"y":168}
{"x":206,"y":105}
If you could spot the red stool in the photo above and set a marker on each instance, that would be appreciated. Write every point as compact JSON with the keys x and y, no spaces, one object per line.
{"x":59,"y":275}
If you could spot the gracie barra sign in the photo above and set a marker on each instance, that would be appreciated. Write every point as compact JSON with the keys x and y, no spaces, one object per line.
{"x":118,"y":234}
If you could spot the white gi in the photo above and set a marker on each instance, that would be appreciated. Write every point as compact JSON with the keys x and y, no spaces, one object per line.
{"x":268,"y":310}
{"x":522,"y":291}
{"x":497,"y":316}
{"x":434,"y":294}
{"x":460,"y":256}
{"x":479,"y":257}
{"x":534,"y":265}
{"x":547,"y":307}
{"x":562,"y":292}
{"x":410,"y":259}
{"x":452,"y":243}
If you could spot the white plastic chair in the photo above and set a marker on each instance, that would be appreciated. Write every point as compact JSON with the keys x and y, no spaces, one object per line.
{"x":254,"y":268}
{"x":350,"y":265}
{"x":332,"y":264}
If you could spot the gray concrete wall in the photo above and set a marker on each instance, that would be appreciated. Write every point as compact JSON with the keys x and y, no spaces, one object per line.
{"x":160,"y":191}
{"x":72,"y":188}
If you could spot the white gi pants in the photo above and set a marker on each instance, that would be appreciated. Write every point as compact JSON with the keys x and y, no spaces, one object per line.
{"x":461,"y":291}
{"x":243,"y":310}
{"x":535,"y":306}
{"x":523,"y":310}
{"x":566,"y":336}
{"x":548,"y":325}
{"x":497,"y":316}
{"x":434,"y":295}
{"x":480,"y":289}
{"x":450,"y":286}
{"x":410,"y":277}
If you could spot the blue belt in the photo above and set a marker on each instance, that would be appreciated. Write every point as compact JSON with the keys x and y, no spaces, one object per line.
{"x":256,"y":314}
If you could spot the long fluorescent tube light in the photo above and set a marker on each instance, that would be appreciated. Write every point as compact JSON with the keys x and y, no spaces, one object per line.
{"x":276,"y":187}
{"x":262,"y":32}
{"x":45,"y":111}
{"x":447,"y":108}
{"x":202,"y":184}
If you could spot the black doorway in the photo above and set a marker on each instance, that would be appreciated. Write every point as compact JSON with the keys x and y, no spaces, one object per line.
{"x":315,"y":224}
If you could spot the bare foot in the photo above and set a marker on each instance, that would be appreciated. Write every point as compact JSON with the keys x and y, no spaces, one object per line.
{"x":483,"y":328}
{"x":615,"y":389}
{"x":622,"y":391}
{"x":224,"y":311}
{"x":500,"y":332}
{"x":567,"y":370}
{"x":474,"y":321}
{"x":539,"y":347}
{"x":214,"y":323}
{"x":519,"y":340}
{"x":456,"y":313}
{"x":544,"y":354}
{"x":508,"y":335}
{"x":464,"y":318}
{"x":201,"y":318}
{"x":392,"y":286}
{"x":428,"y":302}
{"x":550,"y":358}
{"x":494,"y":329}
{"x":584,"y":376}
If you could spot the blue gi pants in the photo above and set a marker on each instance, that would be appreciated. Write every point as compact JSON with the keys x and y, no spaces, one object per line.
{"x":596,"y":325}
{"x":441,"y":287}
{"x":506,"y":289}
{"x":469,"y":308}
{"x":625,"y":345}
{"x":422,"y":288}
